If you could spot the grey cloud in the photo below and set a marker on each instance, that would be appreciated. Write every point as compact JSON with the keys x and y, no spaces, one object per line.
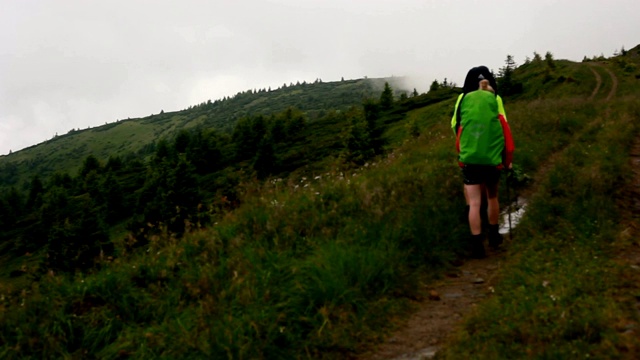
{"x":78,"y":63}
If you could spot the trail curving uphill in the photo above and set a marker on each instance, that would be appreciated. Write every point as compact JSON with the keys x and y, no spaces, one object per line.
{"x":598,"y":83}
{"x":614,"y":84}
{"x":596,"y":89}
{"x":614,"y":87}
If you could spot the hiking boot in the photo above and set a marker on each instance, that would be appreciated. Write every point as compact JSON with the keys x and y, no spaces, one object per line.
{"x":477,"y":247}
{"x":495,"y":238}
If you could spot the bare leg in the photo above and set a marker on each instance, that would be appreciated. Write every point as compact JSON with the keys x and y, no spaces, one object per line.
{"x":474,"y":196}
{"x":494,"y":206}
{"x":466,"y":197}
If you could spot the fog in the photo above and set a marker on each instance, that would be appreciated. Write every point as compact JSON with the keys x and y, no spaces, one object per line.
{"x":73,"y":64}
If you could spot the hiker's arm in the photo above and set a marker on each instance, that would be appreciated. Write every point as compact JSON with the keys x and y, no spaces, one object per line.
{"x":454,"y":118}
{"x":501,"y":110}
{"x":509,"y":146}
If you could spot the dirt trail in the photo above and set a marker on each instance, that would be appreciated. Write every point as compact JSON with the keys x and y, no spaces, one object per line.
{"x":614,"y":84}
{"x":549,"y":163}
{"x":449,"y":301}
{"x":596,"y":89}
{"x":598,"y":83}
{"x":454,"y":297}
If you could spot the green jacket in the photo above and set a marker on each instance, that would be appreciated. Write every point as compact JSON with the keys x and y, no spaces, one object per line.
{"x":455,"y":110}
{"x":483,"y":136}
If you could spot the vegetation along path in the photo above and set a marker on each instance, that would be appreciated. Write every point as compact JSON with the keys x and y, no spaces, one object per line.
{"x":448,"y":302}
{"x":462,"y":288}
{"x":333,"y":232}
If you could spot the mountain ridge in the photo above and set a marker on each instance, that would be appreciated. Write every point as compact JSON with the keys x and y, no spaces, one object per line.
{"x":130,"y":136}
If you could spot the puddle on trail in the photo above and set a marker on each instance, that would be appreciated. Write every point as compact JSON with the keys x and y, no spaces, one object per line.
{"x":516,"y":209}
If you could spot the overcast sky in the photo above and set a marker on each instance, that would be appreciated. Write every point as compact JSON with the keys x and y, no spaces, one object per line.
{"x":69,"y":64}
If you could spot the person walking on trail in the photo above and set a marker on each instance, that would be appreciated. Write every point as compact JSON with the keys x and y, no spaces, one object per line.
{"x":485,"y":147}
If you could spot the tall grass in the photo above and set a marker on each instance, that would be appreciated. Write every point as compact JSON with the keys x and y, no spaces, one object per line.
{"x":557,"y":297}
{"x":311,"y":268}
{"x":320,"y":266}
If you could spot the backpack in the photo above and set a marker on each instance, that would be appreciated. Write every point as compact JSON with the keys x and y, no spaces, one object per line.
{"x":479,"y":139}
{"x":483,"y":136}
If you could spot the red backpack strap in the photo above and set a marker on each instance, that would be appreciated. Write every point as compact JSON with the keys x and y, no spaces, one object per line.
{"x":509,"y":145}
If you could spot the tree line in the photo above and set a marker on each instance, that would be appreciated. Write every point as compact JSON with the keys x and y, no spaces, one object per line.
{"x":177,"y":184}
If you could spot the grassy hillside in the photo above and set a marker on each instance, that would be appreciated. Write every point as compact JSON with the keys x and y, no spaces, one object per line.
{"x":321,"y":262}
{"x":565,"y":291}
{"x":137,"y":136}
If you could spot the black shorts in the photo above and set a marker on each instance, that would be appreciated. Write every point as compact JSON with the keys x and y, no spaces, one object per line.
{"x":480,"y":174}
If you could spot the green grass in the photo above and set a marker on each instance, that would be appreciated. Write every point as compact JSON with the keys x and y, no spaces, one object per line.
{"x":65,"y":153}
{"x":323,"y":266}
{"x":558,"y":293}
{"x":314,"y":267}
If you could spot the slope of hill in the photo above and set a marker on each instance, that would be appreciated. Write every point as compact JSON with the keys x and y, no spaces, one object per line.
{"x":322,"y":261}
{"x":66,"y":152}
{"x":539,"y":298}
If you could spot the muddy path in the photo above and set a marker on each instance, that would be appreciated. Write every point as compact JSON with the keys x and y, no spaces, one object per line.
{"x":449,"y":301}
{"x":598,"y":83}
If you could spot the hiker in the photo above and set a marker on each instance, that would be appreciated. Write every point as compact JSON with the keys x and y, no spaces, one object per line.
{"x":485,"y":147}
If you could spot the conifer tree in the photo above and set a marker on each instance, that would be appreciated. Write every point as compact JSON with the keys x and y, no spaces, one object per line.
{"x":374,"y":129}
{"x":264,"y":162}
{"x":162,"y":152}
{"x":548,"y":58}
{"x":358,"y":140}
{"x":34,"y":200}
{"x":90,"y":163}
{"x":507,"y":85}
{"x":113,"y":199}
{"x":386,"y":98}
{"x":181,"y":141}
{"x":435,"y":85}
